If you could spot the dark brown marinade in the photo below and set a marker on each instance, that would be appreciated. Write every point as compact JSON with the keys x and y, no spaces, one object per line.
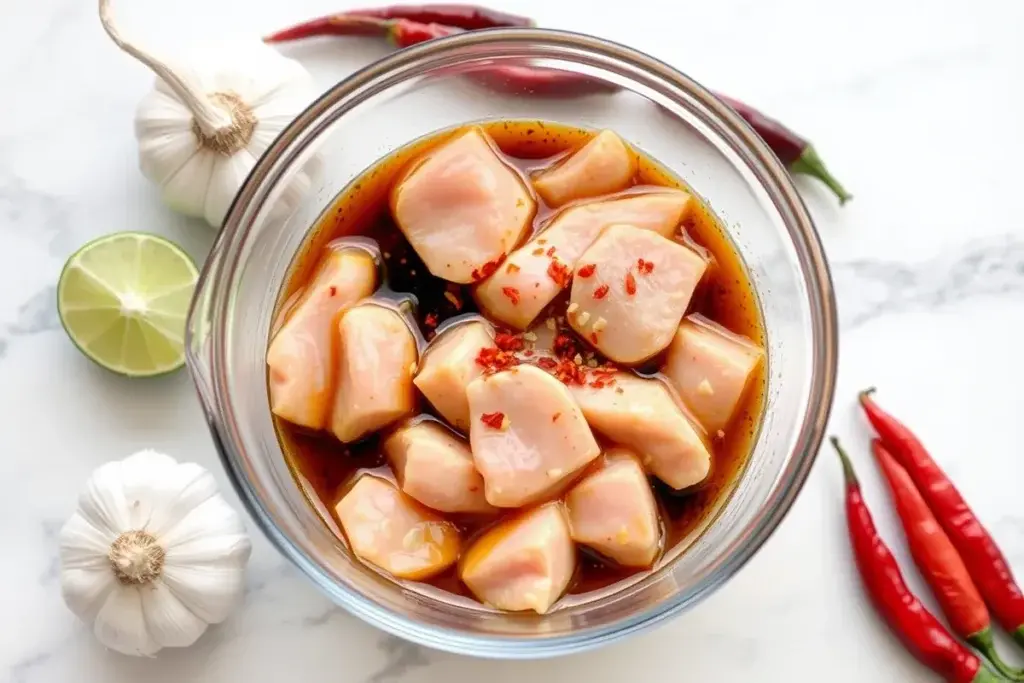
{"x":323,"y":465}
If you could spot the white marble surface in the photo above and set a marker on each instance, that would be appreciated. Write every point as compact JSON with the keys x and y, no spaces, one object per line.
{"x":914,"y":103}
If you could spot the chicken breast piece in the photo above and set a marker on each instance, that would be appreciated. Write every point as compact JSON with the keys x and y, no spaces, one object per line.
{"x":301,"y":356}
{"x":521,"y":288}
{"x":461,"y":207}
{"x":390,"y":530}
{"x":710,"y":368}
{"x":613,"y":511}
{"x":449,"y":365}
{"x":604,"y":165}
{"x":435,"y":466}
{"x":524,"y":563}
{"x":629,"y":311}
{"x":645,"y":418}
{"x":376,"y":357}
{"x":527,"y":435}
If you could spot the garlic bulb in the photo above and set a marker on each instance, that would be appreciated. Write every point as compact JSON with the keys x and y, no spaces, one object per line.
{"x":210,"y":117}
{"x":152,"y":555}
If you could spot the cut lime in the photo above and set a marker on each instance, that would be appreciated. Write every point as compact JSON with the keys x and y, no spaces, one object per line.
{"x":123,"y":299}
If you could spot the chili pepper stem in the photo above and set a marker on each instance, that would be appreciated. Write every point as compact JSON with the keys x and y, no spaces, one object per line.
{"x":983,"y":643}
{"x":809,"y":163}
{"x":848,"y":474}
{"x":986,"y":676}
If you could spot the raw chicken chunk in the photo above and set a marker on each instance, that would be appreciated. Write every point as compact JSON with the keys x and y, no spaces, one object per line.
{"x":449,"y":365}
{"x":301,"y":355}
{"x":376,"y":357}
{"x":603,"y":165}
{"x":462,"y":208}
{"x":521,"y":288}
{"x":613,"y":511}
{"x":627,"y":309}
{"x":435,"y":467}
{"x":645,"y":418}
{"x":390,"y":530}
{"x":524,"y":563}
{"x":527,"y":435}
{"x":710,"y":368}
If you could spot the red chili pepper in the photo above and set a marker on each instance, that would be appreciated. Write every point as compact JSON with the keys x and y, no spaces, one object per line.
{"x":920,"y":631}
{"x":940,"y":563}
{"x":985,"y":562}
{"x":796,"y":153}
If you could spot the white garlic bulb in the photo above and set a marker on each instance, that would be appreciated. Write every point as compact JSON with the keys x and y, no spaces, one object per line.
{"x":153,"y":554}
{"x":210,"y":117}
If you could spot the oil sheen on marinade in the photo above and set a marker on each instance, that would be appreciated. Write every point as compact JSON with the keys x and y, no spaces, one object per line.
{"x":322,"y":464}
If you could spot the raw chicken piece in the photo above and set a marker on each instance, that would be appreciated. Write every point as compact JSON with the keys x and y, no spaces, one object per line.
{"x":613,"y":511}
{"x":435,"y":467}
{"x":449,"y":365}
{"x":301,"y":355}
{"x":628,"y":313}
{"x":392,"y":531}
{"x":527,"y":435}
{"x":523,"y":563}
{"x":710,"y":368}
{"x":603,"y":165}
{"x":462,"y":208}
{"x":376,"y":357}
{"x":566,"y":238}
{"x":645,"y":418}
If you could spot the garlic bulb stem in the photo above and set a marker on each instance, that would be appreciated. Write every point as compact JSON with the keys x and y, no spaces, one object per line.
{"x":136,"y":558}
{"x":211,"y":120}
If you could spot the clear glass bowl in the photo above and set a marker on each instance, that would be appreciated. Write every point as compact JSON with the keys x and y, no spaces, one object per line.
{"x":423,"y":89}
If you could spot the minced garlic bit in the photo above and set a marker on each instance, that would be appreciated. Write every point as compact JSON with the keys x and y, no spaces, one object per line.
{"x":452,"y":299}
{"x":623,"y":535}
{"x":555,"y":473}
{"x":573,"y":307}
{"x":387,"y":254}
{"x":591,"y":363}
{"x":413,"y":367}
{"x":505,"y":423}
{"x":577,"y":359}
{"x":705,"y":388}
{"x":583,"y":318}
{"x":599,"y":324}
{"x":402,"y":261}
{"x":550,"y":324}
{"x":530,"y":336}
{"x":412,"y":272}
{"x":720,"y":434}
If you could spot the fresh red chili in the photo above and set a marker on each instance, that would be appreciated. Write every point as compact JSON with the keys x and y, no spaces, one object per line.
{"x":939,"y":562}
{"x":920,"y":631}
{"x":795,"y":152}
{"x":983,"y":558}
{"x":467,"y":17}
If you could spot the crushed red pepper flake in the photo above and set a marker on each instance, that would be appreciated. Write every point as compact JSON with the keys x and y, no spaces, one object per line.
{"x":554,"y":418}
{"x":493,"y":420}
{"x":430,"y":320}
{"x":512,"y":293}
{"x":528,"y":352}
{"x":333,"y":290}
{"x":453,"y":299}
{"x":630,"y":284}
{"x":587,"y":270}
{"x":550,"y":251}
{"x":487,"y":270}
{"x":646,"y":267}
{"x":494,"y":360}
{"x":565,"y":346}
{"x":601,"y":292}
{"x":593,"y":337}
{"x":512,"y":268}
{"x":558,"y":272}
{"x":539,"y":251}
{"x":546,"y":363}
{"x":508,"y":342}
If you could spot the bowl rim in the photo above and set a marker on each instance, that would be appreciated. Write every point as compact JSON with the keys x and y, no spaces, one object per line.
{"x":774,"y":179}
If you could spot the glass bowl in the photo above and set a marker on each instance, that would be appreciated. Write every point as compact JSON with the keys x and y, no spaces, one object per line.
{"x":435,"y":86}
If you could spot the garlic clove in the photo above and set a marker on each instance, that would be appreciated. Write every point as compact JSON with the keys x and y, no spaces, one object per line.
{"x":168,"y":621}
{"x":227,"y":177}
{"x":212,"y":533}
{"x":144,"y":478}
{"x":85,"y":589}
{"x":185,"y":191}
{"x":121,"y":626}
{"x":182,"y":491}
{"x":208,"y":591}
{"x":83,"y":545}
{"x":102,"y":503}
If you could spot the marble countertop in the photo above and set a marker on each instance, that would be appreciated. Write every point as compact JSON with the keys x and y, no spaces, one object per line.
{"x":914,"y":104}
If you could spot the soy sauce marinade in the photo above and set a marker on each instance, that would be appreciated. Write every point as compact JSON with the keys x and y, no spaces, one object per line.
{"x":323,"y":465}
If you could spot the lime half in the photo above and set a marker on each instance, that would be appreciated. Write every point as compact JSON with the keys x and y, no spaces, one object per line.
{"x":123,"y":299}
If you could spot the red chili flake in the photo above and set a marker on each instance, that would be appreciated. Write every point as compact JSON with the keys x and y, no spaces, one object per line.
{"x":601,"y":292}
{"x":546,"y":363}
{"x":593,"y":337}
{"x":568,"y":372}
{"x":494,"y":360}
{"x":587,"y":270}
{"x":487,"y":269}
{"x":565,"y":346}
{"x":508,"y":342}
{"x":648,"y":267}
{"x":554,"y":418}
{"x":550,"y":251}
{"x":640,"y":264}
{"x":528,"y":352}
{"x":512,"y":293}
{"x":512,"y":268}
{"x":597,"y":384}
{"x":559,"y":273}
{"x":430,"y":320}
{"x":493,"y":420}
{"x":630,"y":284}
{"x":333,"y":290}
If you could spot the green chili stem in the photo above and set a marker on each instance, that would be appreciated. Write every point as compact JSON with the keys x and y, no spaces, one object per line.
{"x":809,"y":163}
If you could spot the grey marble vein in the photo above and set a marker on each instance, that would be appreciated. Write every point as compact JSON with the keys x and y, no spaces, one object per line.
{"x":401,"y":658}
{"x":38,"y":314}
